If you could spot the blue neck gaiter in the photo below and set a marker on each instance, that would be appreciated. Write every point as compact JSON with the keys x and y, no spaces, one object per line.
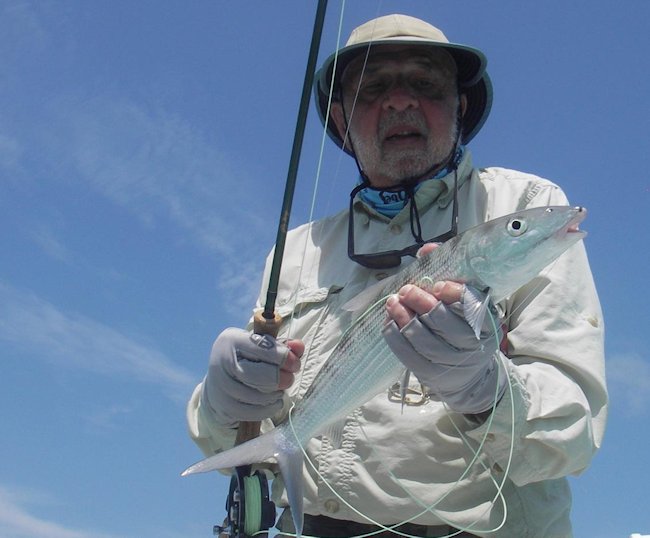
{"x":390,"y":203}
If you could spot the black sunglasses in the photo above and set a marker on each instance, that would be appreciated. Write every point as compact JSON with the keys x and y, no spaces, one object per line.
{"x":393,"y":258}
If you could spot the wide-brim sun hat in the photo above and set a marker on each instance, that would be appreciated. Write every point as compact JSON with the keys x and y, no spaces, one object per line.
{"x":473,"y":79}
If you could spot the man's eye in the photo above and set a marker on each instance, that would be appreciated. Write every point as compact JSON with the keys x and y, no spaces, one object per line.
{"x":423,"y":83}
{"x":430,"y":88}
{"x":427,"y":85}
{"x":372,"y":88}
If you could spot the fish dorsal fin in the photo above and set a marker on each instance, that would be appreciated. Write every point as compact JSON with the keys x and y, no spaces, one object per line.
{"x":475,"y":306}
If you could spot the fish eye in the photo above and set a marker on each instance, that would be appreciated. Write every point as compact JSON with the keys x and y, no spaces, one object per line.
{"x":516,"y":227}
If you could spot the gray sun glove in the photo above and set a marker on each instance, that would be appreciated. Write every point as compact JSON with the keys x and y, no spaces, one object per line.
{"x":243,"y":377}
{"x":443,"y":351}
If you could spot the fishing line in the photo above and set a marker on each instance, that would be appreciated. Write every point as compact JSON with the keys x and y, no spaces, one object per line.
{"x":253,"y":505}
{"x":310,"y":217}
{"x":470,"y":465}
{"x":477,"y":452}
{"x":430,"y":508}
{"x":295,"y":310}
{"x":467,"y":442}
{"x":382,"y":528}
{"x":499,"y":486}
{"x":330,"y":98}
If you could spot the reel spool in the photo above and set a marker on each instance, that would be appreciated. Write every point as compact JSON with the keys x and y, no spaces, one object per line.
{"x":249,"y":512}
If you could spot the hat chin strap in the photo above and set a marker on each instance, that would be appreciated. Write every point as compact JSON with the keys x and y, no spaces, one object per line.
{"x":409,"y":182}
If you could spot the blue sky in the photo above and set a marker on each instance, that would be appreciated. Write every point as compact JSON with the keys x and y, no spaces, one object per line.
{"x":143,"y":151}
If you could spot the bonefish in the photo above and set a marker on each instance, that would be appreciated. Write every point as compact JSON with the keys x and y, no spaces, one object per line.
{"x":497,"y":257}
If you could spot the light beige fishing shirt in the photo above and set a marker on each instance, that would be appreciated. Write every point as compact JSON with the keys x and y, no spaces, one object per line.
{"x":422,"y":462}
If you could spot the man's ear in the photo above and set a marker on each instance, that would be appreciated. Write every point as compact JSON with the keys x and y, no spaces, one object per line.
{"x":338,"y":117}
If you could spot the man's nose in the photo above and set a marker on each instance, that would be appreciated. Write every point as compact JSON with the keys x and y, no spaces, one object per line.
{"x":400,"y":97}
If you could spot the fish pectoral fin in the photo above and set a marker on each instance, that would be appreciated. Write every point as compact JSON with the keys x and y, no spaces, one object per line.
{"x":475,"y":307}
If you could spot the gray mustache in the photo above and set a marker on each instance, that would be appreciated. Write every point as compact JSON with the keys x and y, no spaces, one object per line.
{"x":411,"y":118}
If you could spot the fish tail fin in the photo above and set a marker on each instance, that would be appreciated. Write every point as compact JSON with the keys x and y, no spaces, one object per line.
{"x":254,"y":451}
{"x":274,"y":444}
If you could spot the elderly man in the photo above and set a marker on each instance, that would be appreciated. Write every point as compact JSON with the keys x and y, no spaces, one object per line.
{"x":405,"y":102}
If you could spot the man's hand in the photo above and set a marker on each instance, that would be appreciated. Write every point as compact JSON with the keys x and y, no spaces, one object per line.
{"x":248,"y":374}
{"x":428,"y":332}
{"x":413,"y":301}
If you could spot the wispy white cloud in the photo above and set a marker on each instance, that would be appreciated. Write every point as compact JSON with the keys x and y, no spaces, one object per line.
{"x":51,"y":245}
{"x":241,"y":282}
{"x":135,"y":151}
{"x":50,"y":239}
{"x":158,"y":166}
{"x":31,"y":324}
{"x":628,"y":376}
{"x":164,"y":171}
{"x":18,"y":520}
{"x":106,"y":419}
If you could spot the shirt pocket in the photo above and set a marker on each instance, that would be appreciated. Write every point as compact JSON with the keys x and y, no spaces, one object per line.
{"x":304,"y":298}
{"x":313,"y":316}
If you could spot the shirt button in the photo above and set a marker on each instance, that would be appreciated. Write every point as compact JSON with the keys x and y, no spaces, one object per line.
{"x":381,"y":276}
{"x":489,"y":437}
{"x":331,"y":506}
{"x":593,"y":321}
{"x":396,"y":229}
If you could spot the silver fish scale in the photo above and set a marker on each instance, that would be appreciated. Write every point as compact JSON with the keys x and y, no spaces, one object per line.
{"x":362,"y":365}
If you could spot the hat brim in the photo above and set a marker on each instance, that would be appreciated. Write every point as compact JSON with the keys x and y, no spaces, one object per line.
{"x":470,"y":62}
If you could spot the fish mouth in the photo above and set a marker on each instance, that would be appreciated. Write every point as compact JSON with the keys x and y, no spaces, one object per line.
{"x":573,"y":226}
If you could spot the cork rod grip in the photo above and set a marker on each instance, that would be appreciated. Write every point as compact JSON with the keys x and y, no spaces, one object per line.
{"x":261,"y":325}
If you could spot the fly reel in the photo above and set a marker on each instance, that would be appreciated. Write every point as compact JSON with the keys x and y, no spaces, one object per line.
{"x":249,"y":512}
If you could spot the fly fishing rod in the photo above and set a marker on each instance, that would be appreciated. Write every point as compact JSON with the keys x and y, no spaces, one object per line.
{"x":249,"y":511}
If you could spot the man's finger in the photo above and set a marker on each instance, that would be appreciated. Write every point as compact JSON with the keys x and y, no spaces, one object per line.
{"x":296,"y":346}
{"x":399,"y":313}
{"x":292,"y":361}
{"x":285,"y":380}
{"x":427,"y":248}
{"x":416,"y":299}
{"x":447,"y":291}
{"x":291,"y":364}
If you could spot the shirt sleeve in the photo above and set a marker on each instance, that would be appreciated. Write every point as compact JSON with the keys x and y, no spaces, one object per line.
{"x":203,"y":427}
{"x":210,"y":436}
{"x":551,"y":419}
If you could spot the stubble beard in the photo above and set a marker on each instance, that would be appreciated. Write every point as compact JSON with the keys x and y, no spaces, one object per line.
{"x":396,"y":166}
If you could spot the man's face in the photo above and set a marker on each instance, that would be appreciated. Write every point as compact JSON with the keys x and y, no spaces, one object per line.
{"x":401,"y":105}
